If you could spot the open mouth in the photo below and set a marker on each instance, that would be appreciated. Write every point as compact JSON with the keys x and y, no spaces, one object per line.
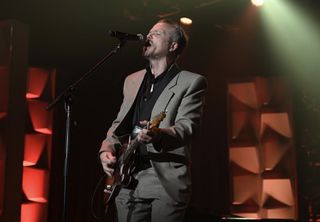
{"x":147,"y":43}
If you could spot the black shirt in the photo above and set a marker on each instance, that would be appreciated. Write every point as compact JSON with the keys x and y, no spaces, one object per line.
{"x":149,"y":92}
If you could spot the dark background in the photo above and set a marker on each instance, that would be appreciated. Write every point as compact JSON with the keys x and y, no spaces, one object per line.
{"x":226,"y":43}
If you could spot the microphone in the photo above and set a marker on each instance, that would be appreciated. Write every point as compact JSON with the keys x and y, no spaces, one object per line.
{"x":126,"y":36}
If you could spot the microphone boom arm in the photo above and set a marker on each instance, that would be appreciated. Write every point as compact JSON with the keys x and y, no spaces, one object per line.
{"x":67,"y":92}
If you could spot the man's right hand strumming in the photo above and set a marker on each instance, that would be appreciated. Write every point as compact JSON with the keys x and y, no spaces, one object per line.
{"x":108,"y":160}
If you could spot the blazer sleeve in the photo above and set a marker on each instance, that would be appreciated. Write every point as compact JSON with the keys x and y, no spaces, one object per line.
{"x":188,"y":119}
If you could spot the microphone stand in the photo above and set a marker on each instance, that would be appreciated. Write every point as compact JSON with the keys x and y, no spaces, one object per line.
{"x":67,"y":96}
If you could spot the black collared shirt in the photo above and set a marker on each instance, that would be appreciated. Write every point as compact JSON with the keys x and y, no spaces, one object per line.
{"x":149,"y":92}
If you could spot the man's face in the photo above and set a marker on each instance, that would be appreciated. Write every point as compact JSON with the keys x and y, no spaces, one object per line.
{"x":158,"y":41}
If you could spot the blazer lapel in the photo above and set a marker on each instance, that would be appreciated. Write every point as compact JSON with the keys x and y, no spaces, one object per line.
{"x":133,"y":87}
{"x":127,"y":107}
{"x":165,"y":97}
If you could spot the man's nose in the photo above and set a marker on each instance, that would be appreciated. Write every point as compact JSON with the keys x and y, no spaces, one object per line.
{"x":149,"y":36}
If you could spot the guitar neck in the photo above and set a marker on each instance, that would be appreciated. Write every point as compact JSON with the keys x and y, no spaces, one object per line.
{"x":130,"y":149}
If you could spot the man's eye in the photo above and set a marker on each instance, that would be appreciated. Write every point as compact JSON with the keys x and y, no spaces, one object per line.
{"x":157,"y":33}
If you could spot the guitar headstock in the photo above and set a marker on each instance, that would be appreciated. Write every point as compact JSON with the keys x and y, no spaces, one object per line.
{"x":157,"y":120}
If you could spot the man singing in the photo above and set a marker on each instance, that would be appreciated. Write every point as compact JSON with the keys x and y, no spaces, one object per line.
{"x":162,"y":187}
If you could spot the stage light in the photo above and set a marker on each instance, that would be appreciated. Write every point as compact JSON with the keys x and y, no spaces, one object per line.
{"x":186,"y":21}
{"x":257,"y":3}
{"x":293,"y":36}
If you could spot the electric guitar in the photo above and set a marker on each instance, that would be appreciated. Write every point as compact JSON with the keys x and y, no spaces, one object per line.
{"x":122,"y":175}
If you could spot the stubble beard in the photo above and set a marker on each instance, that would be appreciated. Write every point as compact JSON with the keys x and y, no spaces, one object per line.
{"x":146,"y":53}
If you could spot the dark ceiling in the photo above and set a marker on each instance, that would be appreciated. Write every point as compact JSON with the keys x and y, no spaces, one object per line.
{"x":76,"y":31}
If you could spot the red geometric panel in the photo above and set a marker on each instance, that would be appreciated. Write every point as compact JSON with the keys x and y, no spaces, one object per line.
{"x":3,"y":91}
{"x":37,"y":79}
{"x":239,"y":122}
{"x":278,"y":122}
{"x":280,"y":213}
{"x":274,"y":152}
{"x":279,"y":189}
{"x":245,"y":93}
{"x":33,"y":148}
{"x":244,"y":124}
{"x":262,"y":166}
{"x":33,"y":212}
{"x":246,"y":216}
{"x":41,"y":118}
{"x":249,"y":188}
{"x":35,"y":184}
{"x":248,"y":209}
{"x":246,"y":157}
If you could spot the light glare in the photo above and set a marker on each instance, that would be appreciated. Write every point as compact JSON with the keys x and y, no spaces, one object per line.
{"x":186,"y":21}
{"x":257,"y":3}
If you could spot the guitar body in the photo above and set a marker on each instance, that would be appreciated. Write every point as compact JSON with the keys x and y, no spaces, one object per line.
{"x":121,"y":177}
{"x":125,"y":165}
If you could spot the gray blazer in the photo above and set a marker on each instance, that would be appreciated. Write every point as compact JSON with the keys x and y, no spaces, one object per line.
{"x":183,"y":100}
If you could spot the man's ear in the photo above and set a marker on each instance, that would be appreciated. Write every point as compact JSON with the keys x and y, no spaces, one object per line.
{"x":173,"y":47}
